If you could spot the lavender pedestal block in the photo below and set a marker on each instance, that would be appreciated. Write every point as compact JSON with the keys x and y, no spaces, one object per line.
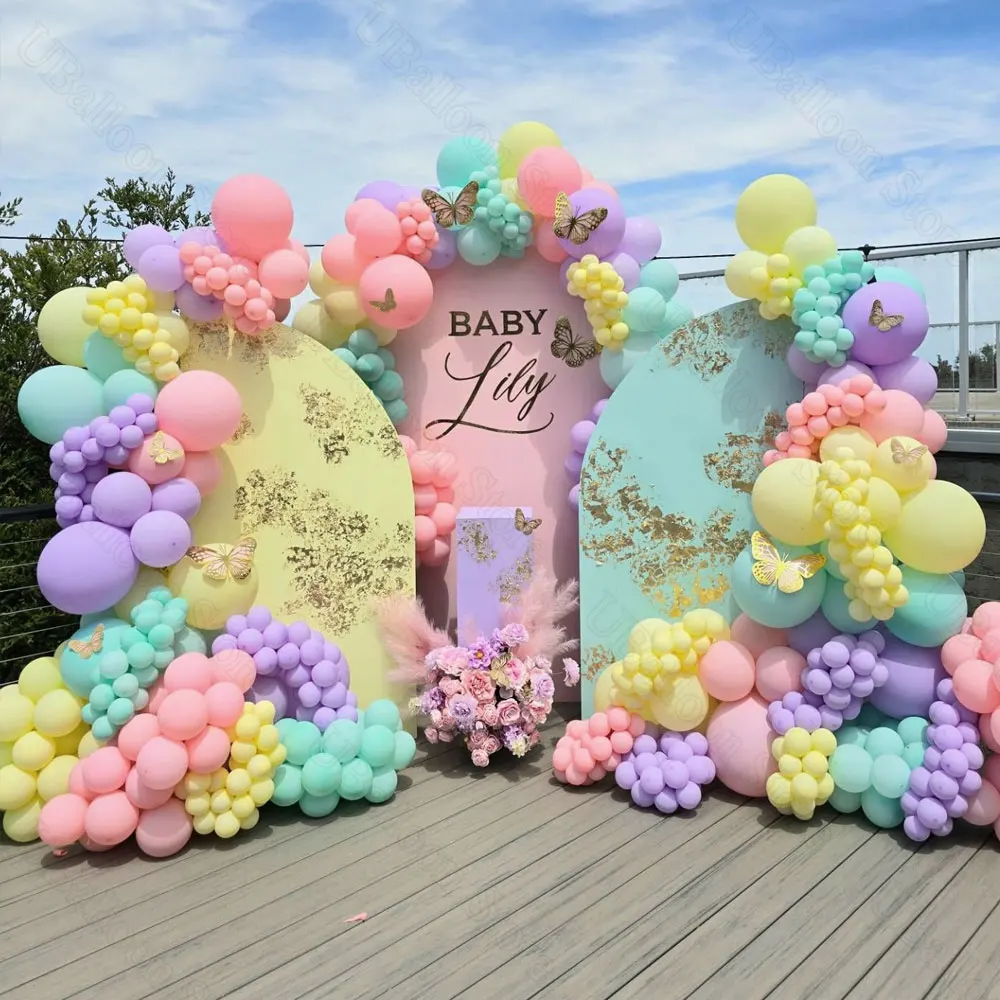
{"x":494,"y":565}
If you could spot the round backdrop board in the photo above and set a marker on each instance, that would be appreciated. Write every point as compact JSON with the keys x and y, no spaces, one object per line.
{"x":665,"y":487}
{"x":482,"y":383}
{"x":317,"y":476}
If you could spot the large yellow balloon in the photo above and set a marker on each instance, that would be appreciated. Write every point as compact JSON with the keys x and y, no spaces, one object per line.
{"x":784,"y":502}
{"x":941,"y":529}
{"x":521,"y":139}
{"x":740,"y":279}
{"x":180,"y":335}
{"x":61,"y":329}
{"x":771,"y":209}
{"x":684,"y":707}
{"x":602,"y":691}
{"x":809,"y":245}
{"x":883,"y":502}
{"x":319,"y":281}
{"x":211,"y":602}
{"x":344,"y":307}
{"x":904,"y":463}
{"x":312,"y":320}
{"x":861,"y":443}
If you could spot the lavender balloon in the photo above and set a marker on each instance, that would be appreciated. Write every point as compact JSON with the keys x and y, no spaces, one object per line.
{"x":642,"y":239}
{"x":604,"y":240}
{"x":387,"y":193}
{"x":834,"y":376}
{"x":121,"y":499}
{"x":161,"y":268}
{"x":580,"y":434}
{"x":202,"y":235}
{"x":445,"y":252}
{"x":140,"y":239}
{"x":801,"y":367}
{"x":178,"y":495}
{"x":666,"y":772}
{"x":843,"y":672}
{"x":914,"y":673}
{"x":160,"y":538}
{"x":200,"y":308}
{"x":811,"y":633}
{"x":627,"y":268}
{"x":912,"y":375}
{"x":899,"y":309}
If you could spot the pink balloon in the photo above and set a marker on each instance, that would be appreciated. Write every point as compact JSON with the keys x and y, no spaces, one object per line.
{"x":252,"y":215}
{"x":162,"y":763}
{"x":425,"y":499}
{"x":425,"y":531}
{"x":105,"y":770}
{"x":62,"y":820}
{"x":989,"y":729}
{"x":726,"y":671}
{"x":164,"y":831}
{"x":756,"y":637}
{"x":136,"y":733}
{"x":234,"y":666}
{"x":543,"y":174}
{"x":991,"y":771}
{"x":958,"y":649}
{"x":739,"y":741}
{"x":183,"y":715}
{"x":902,"y":416}
{"x":437,"y":554}
{"x":547,"y":243}
{"x":142,"y":796}
{"x":342,"y":260}
{"x":986,"y":619}
{"x":411,"y":287}
{"x":77,"y":785}
{"x":200,"y":408}
{"x":444,"y":517}
{"x":984,"y":806}
{"x":934,"y":431}
{"x":377,"y":234}
{"x":282,"y":307}
{"x":357,"y":209}
{"x":204,"y":469}
{"x":111,"y":819}
{"x":283,"y":273}
{"x":208,"y":751}
{"x":602,"y":186}
{"x":190,"y":671}
{"x":142,"y":462}
{"x":299,"y":248}
{"x":779,"y":670}
{"x":224,"y":704}
{"x":974,"y":686}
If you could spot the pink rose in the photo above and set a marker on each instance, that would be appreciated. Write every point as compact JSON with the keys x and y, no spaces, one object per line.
{"x":477,"y":740}
{"x":490,"y":716}
{"x":509,"y":712}
{"x":431,"y":734}
{"x":493,"y":744}
{"x":451,"y":687}
{"x":446,"y":737}
{"x":533,"y":738}
{"x":479,"y":684}
{"x":517,"y":673}
{"x":480,"y":758}
{"x":437,"y":717}
{"x":447,"y":724}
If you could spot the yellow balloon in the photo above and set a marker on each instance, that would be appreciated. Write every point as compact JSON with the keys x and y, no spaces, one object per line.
{"x":809,"y":245}
{"x":319,"y":281}
{"x":6,"y":754}
{"x":69,"y":745}
{"x":57,"y":713}
{"x":62,"y":330}
{"x":344,"y":307}
{"x":313,"y":321}
{"x":160,"y":303}
{"x":508,"y":187}
{"x":941,"y":529}
{"x":602,"y":691}
{"x":382,"y":335}
{"x":520,"y":140}
{"x":771,"y":209}
{"x":211,"y":602}
{"x":147,"y":580}
{"x":904,"y":463}
{"x":883,"y":502}
{"x":40,"y":677}
{"x":784,"y":502}
{"x":88,"y":745}
{"x":738,"y":274}
{"x":54,"y":779}
{"x":684,"y":708}
{"x":16,"y":714}
{"x":17,"y":787}
{"x":861,"y":443}
{"x":21,"y":825}
{"x":33,"y":751}
{"x":180,"y":335}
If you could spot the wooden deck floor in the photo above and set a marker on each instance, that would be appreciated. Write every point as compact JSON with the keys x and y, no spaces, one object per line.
{"x":507,"y":885}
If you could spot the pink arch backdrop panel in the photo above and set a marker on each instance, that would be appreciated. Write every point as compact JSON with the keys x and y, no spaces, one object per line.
{"x":500,"y":402}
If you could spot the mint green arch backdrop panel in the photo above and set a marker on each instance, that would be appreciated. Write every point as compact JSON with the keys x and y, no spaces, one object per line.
{"x":665,"y":487}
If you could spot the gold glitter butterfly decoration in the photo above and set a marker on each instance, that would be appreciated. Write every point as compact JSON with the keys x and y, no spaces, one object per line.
{"x":523,"y":525}
{"x":576,"y":228}
{"x":459,"y":212}
{"x":902,"y":455}
{"x":387,"y":304}
{"x":221,"y":562}
{"x":86,"y":648}
{"x":568,"y":348}
{"x":880,"y":320}
{"x":160,"y":453}
{"x":772,"y":569}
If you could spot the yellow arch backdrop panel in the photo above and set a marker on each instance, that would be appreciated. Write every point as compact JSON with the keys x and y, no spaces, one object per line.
{"x":316,"y":474}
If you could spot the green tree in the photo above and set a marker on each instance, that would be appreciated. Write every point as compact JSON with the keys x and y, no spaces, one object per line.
{"x":85,"y":252}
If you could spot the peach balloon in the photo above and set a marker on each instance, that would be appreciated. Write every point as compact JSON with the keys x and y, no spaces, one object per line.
{"x":223,"y":703}
{"x":545,"y":173}
{"x":756,"y":637}
{"x":779,"y":670}
{"x":298,"y":248}
{"x":377,"y":234}
{"x":958,"y":649}
{"x":547,"y":243}
{"x":204,"y":469}
{"x":105,"y":770}
{"x":412,"y":289}
{"x":208,"y":751}
{"x":190,"y":671}
{"x":252,"y":214}
{"x":141,"y":795}
{"x":933,"y":432}
{"x":425,"y":531}
{"x":156,"y":695}
{"x":77,"y":784}
{"x":143,"y":464}
{"x":165,"y":830}
{"x":162,"y":763}
{"x":974,"y":686}
{"x":111,"y":819}
{"x":201,"y":409}
{"x":436,"y":554}
{"x":283,"y":273}
{"x":989,"y":730}
{"x":341,"y":259}
{"x":984,"y":806}
{"x":902,"y":416}
{"x":739,"y":744}
{"x":991,"y":771}
{"x":183,"y":715}
{"x":425,"y":498}
{"x":358,"y":209}
{"x":62,"y":820}
{"x":726,"y":671}
{"x":136,"y":733}
{"x":601,"y":186}
{"x":282,"y":307}
{"x":234,"y":666}
{"x":986,"y":618}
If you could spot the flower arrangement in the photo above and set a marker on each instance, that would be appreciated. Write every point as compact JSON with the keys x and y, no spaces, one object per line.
{"x":494,"y":692}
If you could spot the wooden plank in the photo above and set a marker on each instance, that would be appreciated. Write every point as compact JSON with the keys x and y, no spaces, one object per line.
{"x":972,"y":973}
{"x":607,"y":968}
{"x":299,"y":890}
{"x":494,"y":961}
{"x":936,"y":934}
{"x":885,"y":915}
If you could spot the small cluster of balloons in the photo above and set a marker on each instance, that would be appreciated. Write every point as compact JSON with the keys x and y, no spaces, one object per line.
{"x":434,"y":474}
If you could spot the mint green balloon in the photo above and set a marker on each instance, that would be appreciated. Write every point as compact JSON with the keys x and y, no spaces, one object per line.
{"x":342,"y":740}
{"x":321,"y":775}
{"x":478,"y":245}
{"x":835,"y":608}
{"x":890,"y":776}
{"x":356,"y":780}
{"x":302,"y":742}
{"x":384,"y":781}
{"x":383,"y":713}
{"x":125,"y":383}
{"x":318,"y":807}
{"x":880,"y":810}
{"x":56,"y":398}
{"x":378,"y":746}
{"x":287,"y":785}
{"x":851,"y":768}
{"x":661,"y":275}
{"x":102,"y":356}
{"x":870,"y":717}
{"x":406,"y":748}
{"x":898,"y":276}
{"x":768,"y":605}
{"x":936,"y":610}
{"x":845,"y":802}
{"x":850,"y":736}
{"x":913,"y":754}
{"x":646,"y":310}
{"x":883,"y":740}
{"x":677,"y":316}
{"x":462,"y":157}
{"x":912,"y":729}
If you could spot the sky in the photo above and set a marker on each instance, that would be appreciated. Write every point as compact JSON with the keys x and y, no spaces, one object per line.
{"x":889,"y":112}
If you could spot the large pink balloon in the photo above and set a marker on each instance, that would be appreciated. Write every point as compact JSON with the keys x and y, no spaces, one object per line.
{"x":547,"y":243}
{"x":739,"y":742}
{"x":62,"y":820}
{"x":253,"y":215}
{"x":199,"y":408}
{"x":165,"y":830}
{"x":341,"y":259}
{"x":543,"y":174}
{"x":283,"y":273}
{"x":377,"y":233}
{"x":411,"y":288}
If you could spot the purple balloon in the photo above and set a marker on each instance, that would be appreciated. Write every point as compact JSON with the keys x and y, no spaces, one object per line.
{"x":180,"y":496}
{"x":642,"y":239}
{"x":202,"y":235}
{"x":387,"y":193}
{"x":628,"y":270}
{"x":86,"y":568}
{"x":273,"y":690}
{"x":410,"y":193}
{"x":140,"y":239}
{"x":813,"y":632}
{"x":604,"y":240}
{"x":914,"y":673}
{"x":834,"y":376}
{"x":160,"y":538}
{"x":883,"y":347}
{"x":121,"y":499}
{"x":801,"y":367}
{"x":445,"y":252}
{"x":161,"y":268}
{"x":200,"y":308}
{"x":912,"y":375}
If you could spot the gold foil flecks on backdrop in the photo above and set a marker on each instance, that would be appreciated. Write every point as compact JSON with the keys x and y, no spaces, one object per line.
{"x":244,"y":428}
{"x":738,"y":461}
{"x":596,"y":658}
{"x":217,"y":342}
{"x":474,"y":540}
{"x":509,"y":585}
{"x":659,"y":548}
{"x":341,"y":425}
{"x":702,"y":343}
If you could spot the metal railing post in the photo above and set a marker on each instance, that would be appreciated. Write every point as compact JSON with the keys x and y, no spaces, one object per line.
{"x":963,"y":334}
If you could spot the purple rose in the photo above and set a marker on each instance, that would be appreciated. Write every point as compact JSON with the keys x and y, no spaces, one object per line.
{"x":462,"y":708}
{"x":543,"y":688}
{"x":432,"y":698}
